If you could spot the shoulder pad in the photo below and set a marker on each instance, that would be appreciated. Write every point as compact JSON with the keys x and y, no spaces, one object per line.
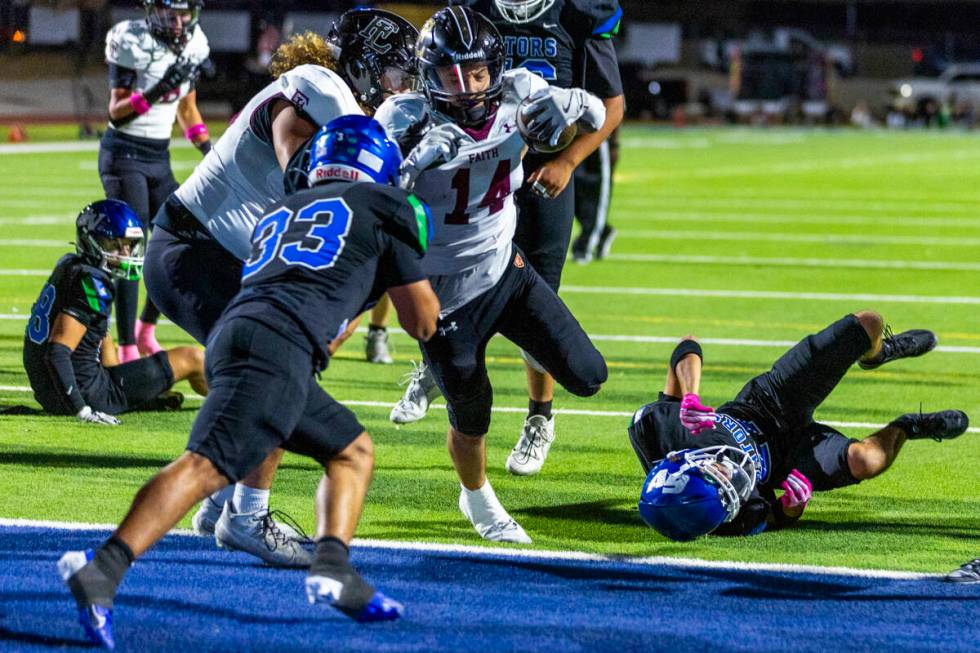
{"x":521,"y":83}
{"x":403,"y":115}
{"x":129,"y":44}
{"x":197,"y":49}
{"x":602,"y":17}
{"x":318,"y":92}
{"x":403,"y":215}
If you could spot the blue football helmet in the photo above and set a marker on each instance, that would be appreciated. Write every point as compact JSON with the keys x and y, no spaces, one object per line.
{"x":353,"y":148}
{"x":109,"y":235}
{"x":692,"y":492}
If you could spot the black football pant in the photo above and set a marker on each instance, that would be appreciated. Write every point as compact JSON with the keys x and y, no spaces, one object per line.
{"x":526,"y":311}
{"x":593,"y":191}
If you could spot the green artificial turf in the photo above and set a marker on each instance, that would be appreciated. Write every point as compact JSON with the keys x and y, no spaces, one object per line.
{"x":720,"y":209}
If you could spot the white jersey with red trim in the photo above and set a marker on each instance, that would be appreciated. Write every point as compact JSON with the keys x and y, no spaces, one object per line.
{"x":240,"y":177}
{"x":130,"y":44}
{"x":472,"y":196}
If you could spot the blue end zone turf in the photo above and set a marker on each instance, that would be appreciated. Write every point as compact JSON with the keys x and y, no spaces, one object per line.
{"x":186,"y":595}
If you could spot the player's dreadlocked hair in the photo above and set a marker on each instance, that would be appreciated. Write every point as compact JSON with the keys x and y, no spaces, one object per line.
{"x":305,"y":48}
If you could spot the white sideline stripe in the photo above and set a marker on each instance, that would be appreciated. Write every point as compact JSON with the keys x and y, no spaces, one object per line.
{"x":543,"y":554}
{"x":598,"y":337}
{"x":69,"y":146}
{"x":768,"y":294}
{"x":513,"y":409}
{"x":784,"y":237}
{"x":797,"y":262}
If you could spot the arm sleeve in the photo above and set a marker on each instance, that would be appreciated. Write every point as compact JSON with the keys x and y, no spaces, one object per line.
{"x":57,"y":361}
{"x":601,"y":69}
{"x":121,"y":77}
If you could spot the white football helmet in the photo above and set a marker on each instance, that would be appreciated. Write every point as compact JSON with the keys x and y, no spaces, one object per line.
{"x":522,"y":11}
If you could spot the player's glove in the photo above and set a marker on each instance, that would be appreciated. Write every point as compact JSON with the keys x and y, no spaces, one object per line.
{"x":90,"y":416}
{"x":440,"y":144}
{"x":551,"y":110}
{"x":696,"y":417}
{"x":797,"y":491}
{"x":179,"y":72}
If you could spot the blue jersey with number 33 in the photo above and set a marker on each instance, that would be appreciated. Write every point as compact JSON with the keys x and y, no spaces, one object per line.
{"x":321,"y":256}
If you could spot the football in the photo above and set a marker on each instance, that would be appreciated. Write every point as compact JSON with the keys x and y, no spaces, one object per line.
{"x":544,"y":147}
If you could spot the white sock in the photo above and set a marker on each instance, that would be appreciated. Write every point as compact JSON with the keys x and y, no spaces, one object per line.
{"x":223,"y":496}
{"x":483,"y":504}
{"x":249,"y":499}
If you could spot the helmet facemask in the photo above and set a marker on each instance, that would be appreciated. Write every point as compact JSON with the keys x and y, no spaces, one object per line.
{"x":466,"y":92}
{"x":522,"y":11}
{"x":732,"y":471}
{"x":172,"y":23}
{"x":121,"y":257}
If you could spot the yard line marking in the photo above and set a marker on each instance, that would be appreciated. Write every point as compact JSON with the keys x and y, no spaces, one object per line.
{"x":881,"y":205}
{"x":70,"y":146}
{"x":36,"y":220}
{"x":581,"y":412}
{"x":784,"y":237}
{"x":33,"y":242}
{"x":653,"y":214}
{"x":797,"y":262}
{"x":768,"y":294}
{"x":598,"y":337}
{"x":544,"y":554}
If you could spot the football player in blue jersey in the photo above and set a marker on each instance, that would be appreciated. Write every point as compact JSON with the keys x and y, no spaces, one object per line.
{"x":568,"y":44}
{"x":317,"y":260}
{"x":153,"y":65}
{"x":68,"y":351}
{"x":202,"y":234}
{"x":719,"y":470}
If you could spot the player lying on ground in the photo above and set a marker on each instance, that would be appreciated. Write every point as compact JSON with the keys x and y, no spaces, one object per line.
{"x":202,"y":236}
{"x":718,"y":471}
{"x":467,"y":167}
{"x":68,"y":352}
{"x":316,"y":258}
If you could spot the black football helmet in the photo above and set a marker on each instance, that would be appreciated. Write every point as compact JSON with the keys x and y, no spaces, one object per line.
{"x":172,"y":22}
{"x":461,"y":63}
{"x":375,"y":54}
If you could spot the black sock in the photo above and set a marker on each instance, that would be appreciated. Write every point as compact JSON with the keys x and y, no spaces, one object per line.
{"x":97,"y":582}
{"x":372,"y":327}
{"x":332,"y":559}
{"x":542,"y":408}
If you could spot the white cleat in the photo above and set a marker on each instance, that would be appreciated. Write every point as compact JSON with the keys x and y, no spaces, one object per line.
{"x":259,"y":534}
{"x":497,"y":526}
{"x":377,"y":348}
{"x":528,"y":455}
{"x":206,"y":517}
{"x":419,"y":394}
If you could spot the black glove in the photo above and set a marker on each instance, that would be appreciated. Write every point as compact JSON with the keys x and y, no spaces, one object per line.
{"x":179,"y":72}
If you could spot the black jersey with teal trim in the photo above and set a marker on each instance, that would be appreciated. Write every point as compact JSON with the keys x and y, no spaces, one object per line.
{"x":324,"y":254}
{"x":569,"y":45}
{"x":83,"y":292}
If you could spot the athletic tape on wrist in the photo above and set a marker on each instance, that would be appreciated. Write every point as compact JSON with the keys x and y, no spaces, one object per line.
{"x":139,"y":103}
{"x":195,"y":130}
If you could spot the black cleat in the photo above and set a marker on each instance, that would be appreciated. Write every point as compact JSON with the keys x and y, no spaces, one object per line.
{"x":944,"y":425}
{"x":968,"y":573}
{"x":907,"y":344}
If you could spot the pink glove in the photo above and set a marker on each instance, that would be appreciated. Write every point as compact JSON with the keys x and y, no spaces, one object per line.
{"x":798,"y":490}
{"x":694,"y":416}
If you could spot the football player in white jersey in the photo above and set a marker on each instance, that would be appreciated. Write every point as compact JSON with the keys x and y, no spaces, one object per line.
{"x":153,"y":64}
{"x":467,"y":166}
{"x":203,"y":232}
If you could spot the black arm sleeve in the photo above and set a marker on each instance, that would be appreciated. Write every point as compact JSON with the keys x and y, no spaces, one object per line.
{"x":600,"y":69}
{"x":57,"y":360}
{"x":120,"y":77}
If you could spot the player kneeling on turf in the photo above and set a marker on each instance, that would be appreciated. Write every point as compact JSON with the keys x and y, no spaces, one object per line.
{"x":317,"y":260}
{"x":68,"y":352}
{"x":719,"y":470}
